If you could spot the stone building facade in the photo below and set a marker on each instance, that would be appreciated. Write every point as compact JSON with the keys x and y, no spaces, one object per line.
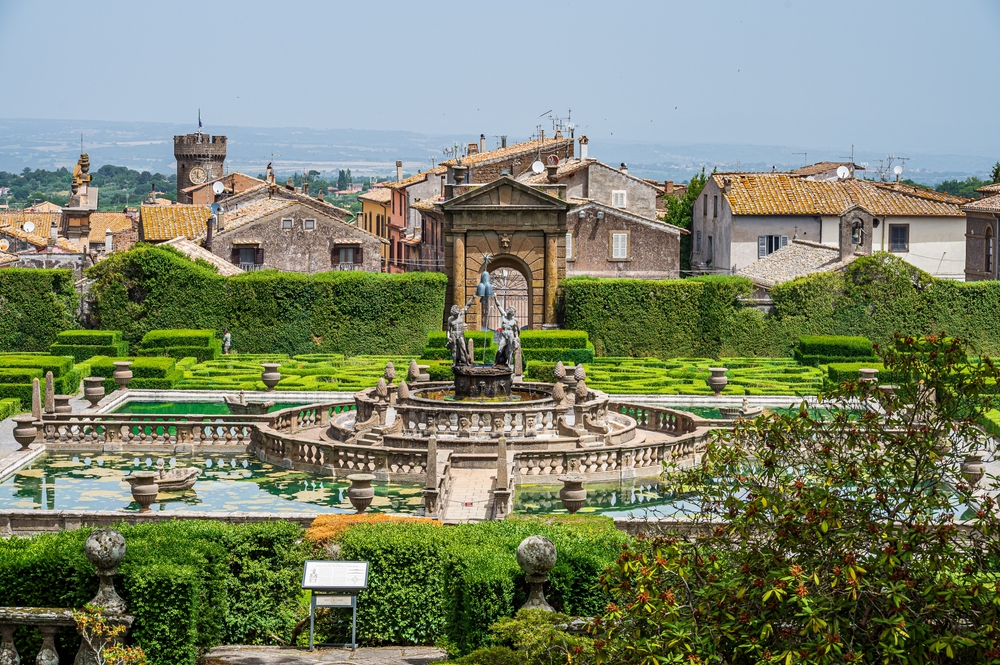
{"x":200,"y":159}
{"x":982,"y":228}
{"x":515,"y":160}
{"x":602,"y":241}
{"x":522,"y":229}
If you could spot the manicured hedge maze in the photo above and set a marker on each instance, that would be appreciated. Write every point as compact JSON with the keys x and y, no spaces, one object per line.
{"x":17,"y":370}
{"x":85,"y":344}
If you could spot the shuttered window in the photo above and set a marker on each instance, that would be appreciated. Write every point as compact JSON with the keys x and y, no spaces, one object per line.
{"x":618,"y":198}
{"x":569,"y":246}
{"x":619,"y":245}
{"x":769,"y":244}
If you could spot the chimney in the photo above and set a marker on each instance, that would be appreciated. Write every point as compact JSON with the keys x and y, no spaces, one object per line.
{"x":305,"y":188}
{"x":668,"y":187}
{"x":54,"y":232}
{"x":624,"y":167}
{"x":320,"y":196}
{"x":482,"y":143}
{"x":503,"y":141}
{"x":472,"y":149}
{"x":727,"y":185}
{"x":551,"y":171}
{"x":108,"y":239}
{"x":208,"y":236}
{"x":459,"y":172}
{"x":583,"y":148}
{"x":399,"y":170}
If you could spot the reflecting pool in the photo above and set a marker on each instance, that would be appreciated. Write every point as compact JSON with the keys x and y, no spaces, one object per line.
{"x":228,"y":482}
{"x":641,"y":498}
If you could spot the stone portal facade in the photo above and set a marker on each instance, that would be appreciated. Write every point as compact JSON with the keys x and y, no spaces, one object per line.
{"x":521,"y":227}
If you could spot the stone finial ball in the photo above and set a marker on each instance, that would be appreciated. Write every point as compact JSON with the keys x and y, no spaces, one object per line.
{"x":105,"y":548}
{"x":536,"y":555}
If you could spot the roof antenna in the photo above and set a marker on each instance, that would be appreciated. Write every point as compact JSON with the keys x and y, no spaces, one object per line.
{"x":805,"y":157}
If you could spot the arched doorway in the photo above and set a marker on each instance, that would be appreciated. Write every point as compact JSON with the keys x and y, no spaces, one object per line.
{"x":512,"y":289}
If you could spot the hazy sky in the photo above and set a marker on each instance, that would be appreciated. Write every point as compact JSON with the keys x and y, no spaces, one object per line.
{"x":912,"y":75}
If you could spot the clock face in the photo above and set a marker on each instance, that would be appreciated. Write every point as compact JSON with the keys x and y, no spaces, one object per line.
{"x":197,"y":175}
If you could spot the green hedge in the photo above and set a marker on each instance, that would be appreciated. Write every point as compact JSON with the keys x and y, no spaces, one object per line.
{"x":20,"y":374}
{"x":177,"y":337}
{"x":147,"y":373}
{"x":9,"y":406}
{"x":191,"y":585}
{"x":18,"y":370}
{"x":838,"y":373}
{"x":428,"y":583}
{"x":89,"y":337}
{"x":353,"y":313}
{"x":35,"y":305}
{"x":199,"y":353}
{"x":822,"y":349}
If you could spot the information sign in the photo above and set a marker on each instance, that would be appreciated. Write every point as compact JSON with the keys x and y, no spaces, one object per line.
{"x":335,"y":575}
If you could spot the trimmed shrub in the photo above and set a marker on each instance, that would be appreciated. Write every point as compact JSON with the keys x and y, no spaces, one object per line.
{"x":191,"y":585}
{"x":177,"y":337}
{"x":35,"y":305}
{"x":89,"y":337}
{"x":20,"y":374}
{"x":353,"y":313}
{"x":813,"y":349}
{"x":147,"y":373}
{"x":9,"y":406}
{"x":838,"y":373}
{"x":18,"y":370}
{"x":85,"y":344}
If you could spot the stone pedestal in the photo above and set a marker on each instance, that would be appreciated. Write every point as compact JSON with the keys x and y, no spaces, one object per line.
{"x":25,"y":431}
{"x":361,"y":492}
{"x":62,"y":404}
{"x":572,"y":494}
{"x":93,"y":390}
{"x":536,"y":555}
{"x":482,"y":382}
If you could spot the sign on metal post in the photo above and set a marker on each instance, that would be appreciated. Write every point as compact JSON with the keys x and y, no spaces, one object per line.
{"x":335,"y":584}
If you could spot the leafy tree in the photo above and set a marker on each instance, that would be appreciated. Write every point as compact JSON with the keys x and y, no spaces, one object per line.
{"x":342,"y":180}
{"x":350,"y":181}
{"x":680,"y":212}
{"x":966,"y":188}
{"x":829,"y":541}
{"x":995,"y":173}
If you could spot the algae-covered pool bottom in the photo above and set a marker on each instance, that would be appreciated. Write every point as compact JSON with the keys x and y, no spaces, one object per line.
{"x":82,"y":481}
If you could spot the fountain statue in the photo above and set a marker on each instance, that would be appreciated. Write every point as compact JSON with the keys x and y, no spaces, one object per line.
{"x":456,"y":335}
{"x":510,"y":336}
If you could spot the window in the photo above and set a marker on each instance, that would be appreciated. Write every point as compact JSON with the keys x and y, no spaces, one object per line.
{"x":988,"y":264}
{"x":286,"y":224}
{"x":618,"y":198}
{"x":347,"y":254}
{"x":769,"y":244}
{"x":899,"y":237}
{"x":697,"y":241}
{"x":704,"y":206}
{"x":715,"y":206}
{"x":709,"y":252}
{"x":247,"y":255}
{"x":569,"y":246}
{"x":619,"y":245}
{"x":310,"y":224}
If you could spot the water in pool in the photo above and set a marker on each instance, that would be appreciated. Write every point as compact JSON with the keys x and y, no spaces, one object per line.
{"x":185,"y":408}
{"x":228,"y":482}
{"x":640,"y":498}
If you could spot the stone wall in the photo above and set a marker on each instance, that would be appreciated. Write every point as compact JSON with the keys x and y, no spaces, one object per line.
{"x":517,"y":164}
{"x":640,"y":197}
{"x":976,"y":224}
{"x":654,"y":251}
{"x":299,"y":249}
{"x":191,"y":150}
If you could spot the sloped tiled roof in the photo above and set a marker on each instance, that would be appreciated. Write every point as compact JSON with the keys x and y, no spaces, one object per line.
{"x":39,"y":241}
{"x":784,"y":194}
{"x":985,"y":204}
{"x":923,"y":192}
{"x":796,"y":259}
{"x":7,"y":259}
{"x":510,"y":151}
{"x":240,"y":182}
{"x":993,"y":188}
{"x":414,"y":179}
{"x":100,"y":222}
{"x":195,"y":251}
{"x":377,"y":195}
{"x":42,"y":220}
{"x":819,"y":167}
{"x":249,"y":212}
{"x":45,"y":206}
{"x":426,"y":204}
{"x":168,"y":222}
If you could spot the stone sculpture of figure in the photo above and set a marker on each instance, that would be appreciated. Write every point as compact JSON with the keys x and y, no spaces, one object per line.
{"x":456,"y":335}
{"x":510,"y":335}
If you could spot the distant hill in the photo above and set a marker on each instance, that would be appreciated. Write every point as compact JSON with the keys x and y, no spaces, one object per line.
{"x":148,"y":146}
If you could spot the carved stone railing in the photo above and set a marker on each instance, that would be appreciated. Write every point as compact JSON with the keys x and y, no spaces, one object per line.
{"x":657,"y":419}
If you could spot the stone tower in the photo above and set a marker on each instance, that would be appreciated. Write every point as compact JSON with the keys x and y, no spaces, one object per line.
{"x":199,"y":159}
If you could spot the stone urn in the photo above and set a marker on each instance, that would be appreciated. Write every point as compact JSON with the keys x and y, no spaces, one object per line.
{"x":25,"y":430}
{"x":572,"y":494}
{"x":105,"y":548}
{"x":536,"y":555}
{"x":93,"y":390}
{"x":867,"y":375}
{"x":361,"y":492}
{"x":62,"y":403}
{"x":717,"y":379}
{"x":270,"y":376}
{"x":123,"y":373}
{"x":973,"y":468}
{"x":145,"y":489}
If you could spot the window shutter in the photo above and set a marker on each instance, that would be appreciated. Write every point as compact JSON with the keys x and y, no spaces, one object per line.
{"x":334,"y":256}
{"x":358,"y":255}
{"x":234,"y":257}
{"x":260,"y":256}
{"x":761,"y":246}
{"x":784,"y":240}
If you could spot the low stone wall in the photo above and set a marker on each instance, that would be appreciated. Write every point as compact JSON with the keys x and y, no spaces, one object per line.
{"x":30,"y":522}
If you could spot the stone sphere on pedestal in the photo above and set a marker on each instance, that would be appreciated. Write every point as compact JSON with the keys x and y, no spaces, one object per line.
{"x":536,"y":555}
{"x":105,"y":548}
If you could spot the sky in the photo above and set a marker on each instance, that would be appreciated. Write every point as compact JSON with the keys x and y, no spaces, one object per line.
{"x":891,"y":76}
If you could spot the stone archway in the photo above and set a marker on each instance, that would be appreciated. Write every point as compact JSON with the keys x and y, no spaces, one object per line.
{"x":512,"y":286}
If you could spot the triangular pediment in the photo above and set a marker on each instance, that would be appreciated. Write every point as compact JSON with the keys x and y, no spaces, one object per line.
{"x":506,"y":192}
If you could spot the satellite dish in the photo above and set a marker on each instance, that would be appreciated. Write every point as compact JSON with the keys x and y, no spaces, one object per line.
{"x":4,"y":245}
{"x":843,"y":172}
{"x":29,"y":227}
{"x":537,"y":166}
{"x":897,"y":169}
{"x":218,"y":187}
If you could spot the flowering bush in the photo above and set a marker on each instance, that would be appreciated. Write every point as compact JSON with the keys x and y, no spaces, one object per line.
{"x":858,"y":539}
{"x":104,"y":638}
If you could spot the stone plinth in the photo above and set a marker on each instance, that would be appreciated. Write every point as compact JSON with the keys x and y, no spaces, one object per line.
{"x":482,"y":382}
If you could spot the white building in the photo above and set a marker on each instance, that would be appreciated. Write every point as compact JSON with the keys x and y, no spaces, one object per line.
{"x":743,"y":217}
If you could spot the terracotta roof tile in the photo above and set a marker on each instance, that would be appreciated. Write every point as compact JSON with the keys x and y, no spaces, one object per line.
{"x":377,"y":195}
{"x":985,"y":204}
{"x":168,"y":222}
{"x":922,"y":192}
{"x":249,"y":212}
{"x":419,"y":177}
{"x":100,"y":222}
{"x":784,"y":194}
{"x":819,"y":167}
{"x":6,"y":259}
{"x":510,"y":151}
{"x":993,"y":188}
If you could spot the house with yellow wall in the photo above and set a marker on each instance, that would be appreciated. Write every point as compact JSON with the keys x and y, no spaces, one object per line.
{"x":375,"y":213}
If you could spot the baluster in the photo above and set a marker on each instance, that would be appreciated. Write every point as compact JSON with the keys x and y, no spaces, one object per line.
{"x":47,"y":655}
{"x":8,"y":653}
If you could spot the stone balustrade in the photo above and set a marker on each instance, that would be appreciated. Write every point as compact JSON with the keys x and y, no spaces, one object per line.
{"x":658,"y":419}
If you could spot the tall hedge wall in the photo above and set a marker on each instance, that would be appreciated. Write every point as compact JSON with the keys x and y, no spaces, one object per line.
{"x":35,"y":306}
{"x":875,"y":297}
{"x":352,"y":313}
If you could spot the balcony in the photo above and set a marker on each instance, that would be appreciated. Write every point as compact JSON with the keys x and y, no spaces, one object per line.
{"x":250,"y":267}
